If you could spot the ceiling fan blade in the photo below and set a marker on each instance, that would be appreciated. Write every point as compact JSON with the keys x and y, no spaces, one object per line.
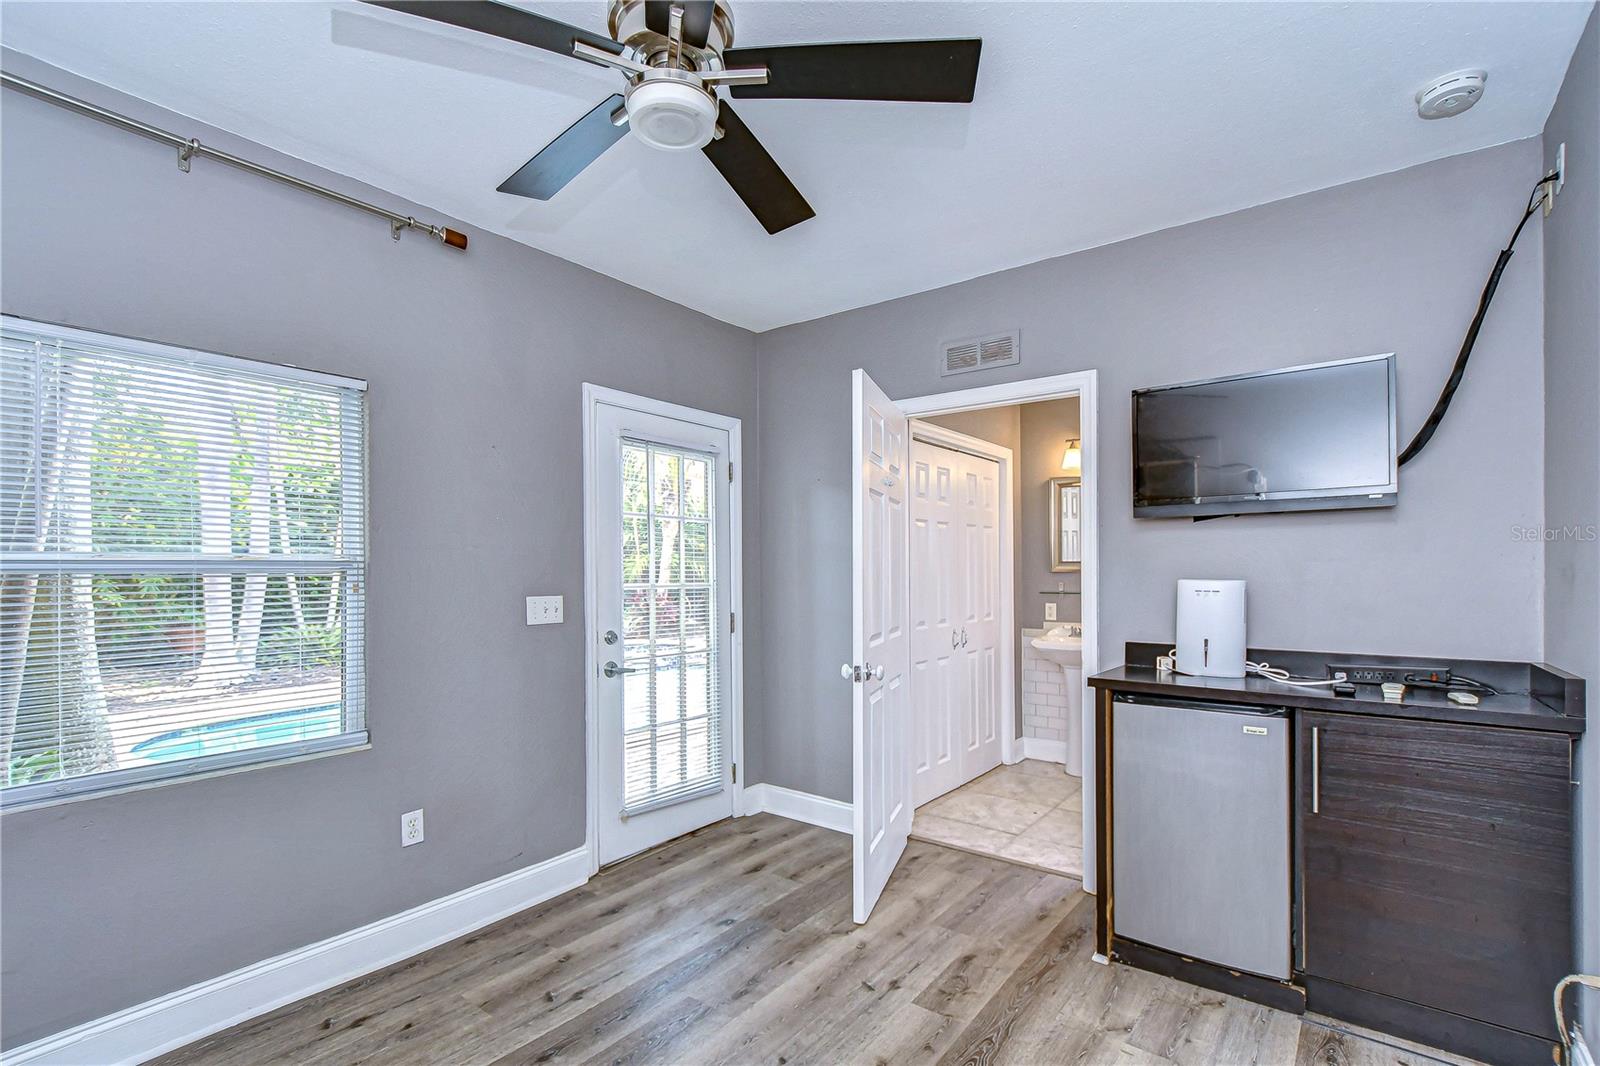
{"x":565,"y":157}
{"x":696,"y":19}
{"x":502,"y":20}
{"x":763,"y":186}
{"x":918,"y":71}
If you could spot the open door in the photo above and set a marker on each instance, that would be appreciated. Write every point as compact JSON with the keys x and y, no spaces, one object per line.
{"x":880,"y":641}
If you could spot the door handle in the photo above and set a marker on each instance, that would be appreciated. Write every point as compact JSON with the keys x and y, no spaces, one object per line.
{"x":850,"y":673}
{"x":875,"y":672}
{"x":611,"y":669}
{"x":1316,"y":771}
{"x":955,"y":639}
{"x":963,"y":638}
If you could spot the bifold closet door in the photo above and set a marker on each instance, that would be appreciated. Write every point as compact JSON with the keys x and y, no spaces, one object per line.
{"x":980,"y":616}
{"x":937,"y":689}
{"x":955,"y":624}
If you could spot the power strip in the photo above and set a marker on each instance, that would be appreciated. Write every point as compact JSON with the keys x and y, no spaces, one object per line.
{"x":1368,"y":674}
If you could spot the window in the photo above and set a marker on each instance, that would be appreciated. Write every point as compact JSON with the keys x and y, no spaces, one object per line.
{"x":182,"y":562}
{"x":672,"y":720}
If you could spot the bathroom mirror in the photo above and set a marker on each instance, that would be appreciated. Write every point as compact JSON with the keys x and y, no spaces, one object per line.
{"x":1066,"y":534}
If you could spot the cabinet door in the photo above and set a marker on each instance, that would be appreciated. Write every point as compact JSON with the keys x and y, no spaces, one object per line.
{"x":1436,"y":863}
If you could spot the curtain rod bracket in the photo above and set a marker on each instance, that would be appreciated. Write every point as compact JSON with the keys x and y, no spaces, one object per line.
{"x":185,"y":153}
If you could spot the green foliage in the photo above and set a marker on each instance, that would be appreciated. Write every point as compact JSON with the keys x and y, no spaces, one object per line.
{"x":44,"y":766}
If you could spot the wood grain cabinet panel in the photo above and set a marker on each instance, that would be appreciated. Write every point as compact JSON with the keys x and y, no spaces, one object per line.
{"x":1436,"y":863}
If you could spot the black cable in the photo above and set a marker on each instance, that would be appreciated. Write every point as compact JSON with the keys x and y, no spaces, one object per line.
{"x":1425,"y":434}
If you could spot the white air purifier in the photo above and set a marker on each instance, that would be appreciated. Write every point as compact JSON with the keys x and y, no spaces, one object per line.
{"x":1211,"y":628}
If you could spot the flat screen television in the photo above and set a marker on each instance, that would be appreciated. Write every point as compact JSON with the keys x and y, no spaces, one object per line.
{"x":1304,"y":438}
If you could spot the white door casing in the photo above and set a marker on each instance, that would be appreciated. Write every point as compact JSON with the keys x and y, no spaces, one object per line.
{"x":1085,"y":385}
{"x":667,"y":717}
{"x":880,"y":641}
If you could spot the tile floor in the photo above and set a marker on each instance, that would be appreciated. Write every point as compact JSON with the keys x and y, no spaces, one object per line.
{"x":1029,"y":813}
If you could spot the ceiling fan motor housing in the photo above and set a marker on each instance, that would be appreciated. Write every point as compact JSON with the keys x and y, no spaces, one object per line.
{"x":671,"y":110}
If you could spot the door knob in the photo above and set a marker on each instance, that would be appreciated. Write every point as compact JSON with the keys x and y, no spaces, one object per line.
{"x":955,"y":639}
{"x":963,"y":638}
{"x":850,"y":673}
{"x":875,"y":672}
{"x":611,"y":669}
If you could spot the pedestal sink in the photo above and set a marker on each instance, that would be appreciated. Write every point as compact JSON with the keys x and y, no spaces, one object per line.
{"x":1063,"y":646}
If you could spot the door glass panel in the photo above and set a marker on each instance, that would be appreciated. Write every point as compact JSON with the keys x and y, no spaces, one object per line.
{"x":672,"y":725}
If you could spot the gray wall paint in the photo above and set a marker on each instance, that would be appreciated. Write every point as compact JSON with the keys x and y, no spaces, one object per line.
{"x":1393,"y":263}
{"x":1045,"y":429}
{"x":1572,"y":445}
{"x":475,"y":363}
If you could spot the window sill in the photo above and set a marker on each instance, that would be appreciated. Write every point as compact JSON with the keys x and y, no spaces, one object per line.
{"x":354,"y":743}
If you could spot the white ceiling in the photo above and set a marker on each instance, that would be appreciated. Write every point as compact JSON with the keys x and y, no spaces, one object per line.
{"x":1093,"y":122}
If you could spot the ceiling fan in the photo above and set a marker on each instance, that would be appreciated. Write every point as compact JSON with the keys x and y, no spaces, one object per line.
{"x":675,"y":54}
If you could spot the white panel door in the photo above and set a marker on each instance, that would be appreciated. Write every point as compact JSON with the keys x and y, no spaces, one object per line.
{"x":880,"y":641}
{"x":663,"y":545}
{"x":938,"y":691}
{"x":979,"y":621}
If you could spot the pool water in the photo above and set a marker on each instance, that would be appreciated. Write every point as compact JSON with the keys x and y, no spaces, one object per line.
{"x":243,"y":734}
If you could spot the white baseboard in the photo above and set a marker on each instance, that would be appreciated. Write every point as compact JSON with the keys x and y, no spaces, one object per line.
{"x":160,"y":1025}
{"x":1044,"y":750}
{"x":800,"y":806}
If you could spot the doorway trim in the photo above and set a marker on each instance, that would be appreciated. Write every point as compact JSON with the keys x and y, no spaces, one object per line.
{"x":1085,"y":385}
{"x":593,"y":397}
{"x":932,"y":433}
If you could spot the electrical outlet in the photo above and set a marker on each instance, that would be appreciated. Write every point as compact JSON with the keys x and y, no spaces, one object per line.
{"x":411,"y":828}
{"x":1368,"y":674}
{"x":1049,"y":612}
{"x":544,"y":610}
{"x":1560,"y":171}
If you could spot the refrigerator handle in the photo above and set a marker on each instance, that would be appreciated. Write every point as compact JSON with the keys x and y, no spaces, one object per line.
{"x":1316,"y":771}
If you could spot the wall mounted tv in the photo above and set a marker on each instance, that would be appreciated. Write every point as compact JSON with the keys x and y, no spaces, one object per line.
{"x":1305,"y":438}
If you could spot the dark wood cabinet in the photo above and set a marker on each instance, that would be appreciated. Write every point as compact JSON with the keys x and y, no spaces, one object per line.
{"x":1435,"y":864}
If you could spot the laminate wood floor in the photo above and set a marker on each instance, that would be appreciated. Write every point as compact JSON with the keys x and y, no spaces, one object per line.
{"x":735,"y":945}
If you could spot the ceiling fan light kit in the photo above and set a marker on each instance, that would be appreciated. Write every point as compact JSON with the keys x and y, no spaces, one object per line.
{"x":675,"y":55}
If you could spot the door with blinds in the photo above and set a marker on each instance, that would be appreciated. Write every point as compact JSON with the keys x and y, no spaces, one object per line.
{"x":660,"y":559}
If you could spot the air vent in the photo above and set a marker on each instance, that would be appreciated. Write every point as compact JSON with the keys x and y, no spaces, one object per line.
{"x":981,"y":353}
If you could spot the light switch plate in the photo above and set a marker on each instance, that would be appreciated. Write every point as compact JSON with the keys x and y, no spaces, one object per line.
{"x":544,"y":610}
{"x":1049,"y":612}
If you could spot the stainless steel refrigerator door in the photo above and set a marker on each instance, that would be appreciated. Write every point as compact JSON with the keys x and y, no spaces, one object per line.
{"x":1200,"y":803}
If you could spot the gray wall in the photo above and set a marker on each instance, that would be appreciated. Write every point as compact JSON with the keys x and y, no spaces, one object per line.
{"x":1572,"y":445}
{"x":1045,"y":429}
{"x":1393,"y":263}
{"x":475,"y":363}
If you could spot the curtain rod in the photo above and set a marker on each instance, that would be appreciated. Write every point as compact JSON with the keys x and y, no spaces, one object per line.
{"x":188,"y":148}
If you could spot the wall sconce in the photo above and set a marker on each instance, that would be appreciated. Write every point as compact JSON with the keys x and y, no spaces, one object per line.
{"x":1072,"y":458}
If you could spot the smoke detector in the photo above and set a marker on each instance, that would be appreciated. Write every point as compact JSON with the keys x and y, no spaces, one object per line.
{"x":1451,"y":94}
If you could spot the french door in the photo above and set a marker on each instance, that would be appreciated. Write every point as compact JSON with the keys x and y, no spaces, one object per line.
{"x":660,"y":560}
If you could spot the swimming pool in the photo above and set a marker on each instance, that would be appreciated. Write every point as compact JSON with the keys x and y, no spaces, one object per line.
{"x":242,"y":734}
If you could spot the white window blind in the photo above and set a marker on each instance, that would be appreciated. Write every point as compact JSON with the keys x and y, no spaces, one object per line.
{"x":182,"y":562}
{"x":672,"y":706}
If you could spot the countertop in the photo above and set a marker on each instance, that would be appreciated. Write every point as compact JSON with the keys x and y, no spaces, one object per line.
{"x":1519,"y":710}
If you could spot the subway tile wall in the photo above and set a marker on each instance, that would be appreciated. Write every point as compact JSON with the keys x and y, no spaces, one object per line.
{"x":1046,"y":701}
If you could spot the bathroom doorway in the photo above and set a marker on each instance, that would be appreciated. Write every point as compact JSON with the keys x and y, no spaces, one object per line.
{"x":1003,"y":611}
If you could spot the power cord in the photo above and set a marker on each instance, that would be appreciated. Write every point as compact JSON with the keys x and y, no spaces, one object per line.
{"x":1281,"y":676}
{"x":1425,"y":434}
{"x":1284,"y":677}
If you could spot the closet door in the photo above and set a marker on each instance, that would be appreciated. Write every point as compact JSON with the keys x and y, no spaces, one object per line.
{"x":979,"y":618}
{"x":937,"y":689}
